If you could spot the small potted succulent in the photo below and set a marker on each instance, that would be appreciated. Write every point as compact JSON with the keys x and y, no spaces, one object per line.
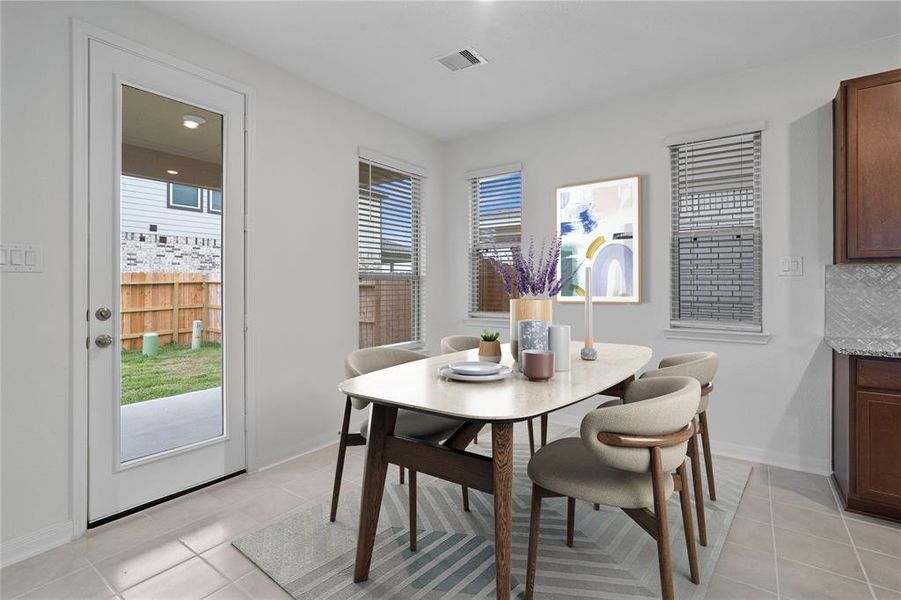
{"x":490,"y":347}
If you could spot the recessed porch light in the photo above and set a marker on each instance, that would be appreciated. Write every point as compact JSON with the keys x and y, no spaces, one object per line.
{"x":192,"y":121}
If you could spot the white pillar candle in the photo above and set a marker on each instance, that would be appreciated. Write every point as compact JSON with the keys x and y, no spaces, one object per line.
{"x":558,"y":342}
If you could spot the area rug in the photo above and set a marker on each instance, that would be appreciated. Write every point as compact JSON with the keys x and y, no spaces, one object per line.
{"x":612,"y":557}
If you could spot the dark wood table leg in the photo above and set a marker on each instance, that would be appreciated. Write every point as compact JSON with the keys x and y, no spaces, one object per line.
{"x":544,"y":430}
{"x":381,"y":425}
{"x":502,"y":450}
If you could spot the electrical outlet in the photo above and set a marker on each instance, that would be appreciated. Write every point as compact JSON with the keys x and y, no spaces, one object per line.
{"x":21,"y":258}
{"x":791,"y":266}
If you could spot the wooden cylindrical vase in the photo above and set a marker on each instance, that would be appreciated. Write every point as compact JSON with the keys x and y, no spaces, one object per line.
{"x":541,"y":309}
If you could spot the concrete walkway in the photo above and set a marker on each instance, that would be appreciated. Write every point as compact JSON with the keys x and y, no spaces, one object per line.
{"x":157,"y":425}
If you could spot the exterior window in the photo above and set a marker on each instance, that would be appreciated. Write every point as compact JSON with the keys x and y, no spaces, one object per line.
{"x":389,"y":256}
{"x":185,"y":197}
{"x":716,"y":241}
{"x":215,"y":201}
{"x":496,"y":221}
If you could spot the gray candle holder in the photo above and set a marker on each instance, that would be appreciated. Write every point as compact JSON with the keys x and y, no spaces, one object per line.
{"x":532,"y":336}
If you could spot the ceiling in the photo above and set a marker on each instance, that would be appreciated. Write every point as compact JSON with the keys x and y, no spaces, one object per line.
{"x":155,"y":122}
{"x":543,"y":57}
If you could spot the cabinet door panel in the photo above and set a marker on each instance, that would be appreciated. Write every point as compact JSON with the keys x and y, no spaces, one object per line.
{"x":874,"y":168}
{"x":878,"y":443}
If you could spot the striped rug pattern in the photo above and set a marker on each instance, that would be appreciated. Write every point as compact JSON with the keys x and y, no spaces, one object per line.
{"x":612,"y":557}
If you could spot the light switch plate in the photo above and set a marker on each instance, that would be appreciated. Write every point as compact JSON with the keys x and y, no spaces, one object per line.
{"x":791,"y":266}
{"x":21,"y":258}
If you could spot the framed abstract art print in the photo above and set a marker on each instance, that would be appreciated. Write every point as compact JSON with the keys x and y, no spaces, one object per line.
{"x":599,"y":224}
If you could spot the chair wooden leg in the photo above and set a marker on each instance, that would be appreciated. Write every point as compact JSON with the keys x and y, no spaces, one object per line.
{"x":531,"y":438}
{"x":475,"y":439}
{"x":708,"y":456}
{"x":687,"y":524}
{"x":339,"y":465}
{"x":698,"y":489}
{"x":401,"y":471}
{"x":664,"y":555}
{"x":570,"y":521}
{"x":465,"y":498}
{"x":412,"y":510}
{"x":543,"y":430}
{"x":534,"y":524}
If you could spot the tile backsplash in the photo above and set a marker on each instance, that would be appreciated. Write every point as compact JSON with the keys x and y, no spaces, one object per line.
{"x":863,"y":301}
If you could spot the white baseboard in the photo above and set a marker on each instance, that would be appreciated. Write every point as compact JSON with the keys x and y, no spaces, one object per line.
{"x":774,"y":458}
{"x":758,"y":455}
{"x":35,"y":542}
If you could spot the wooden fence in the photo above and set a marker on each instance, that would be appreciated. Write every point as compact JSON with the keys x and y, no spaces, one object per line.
{"x":386,"y":311}
{"x":168,"y":304}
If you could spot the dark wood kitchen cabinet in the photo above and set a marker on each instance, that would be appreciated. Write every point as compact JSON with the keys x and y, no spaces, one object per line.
{"x":866,"y":453}
{"x":867,"y":169}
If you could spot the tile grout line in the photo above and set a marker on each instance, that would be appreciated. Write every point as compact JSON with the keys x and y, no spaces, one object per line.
{"x":769,"y":488}
{"x":750,"y":585}
{"x":841,"y":513}
{"x":108,"y":583}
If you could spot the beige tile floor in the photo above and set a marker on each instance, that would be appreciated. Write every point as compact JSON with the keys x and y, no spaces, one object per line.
{"x":789,"y":540}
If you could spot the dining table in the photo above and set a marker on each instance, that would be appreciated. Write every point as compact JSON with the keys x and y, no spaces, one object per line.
{"x":417,"y":386}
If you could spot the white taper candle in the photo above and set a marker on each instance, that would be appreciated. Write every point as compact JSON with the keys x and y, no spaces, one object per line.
{"x":589,"y":329}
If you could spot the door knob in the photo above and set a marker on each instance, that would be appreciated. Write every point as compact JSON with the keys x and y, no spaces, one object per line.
{"x":103,"y":313}
{"x":103,"y":340}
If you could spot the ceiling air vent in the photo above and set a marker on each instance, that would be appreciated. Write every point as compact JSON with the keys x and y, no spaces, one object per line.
{"x":465,"y":58}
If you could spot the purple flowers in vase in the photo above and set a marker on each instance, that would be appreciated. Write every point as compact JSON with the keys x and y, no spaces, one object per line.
{"x":522,"y":277}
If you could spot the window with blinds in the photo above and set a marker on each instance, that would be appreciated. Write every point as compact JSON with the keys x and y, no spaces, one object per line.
{"x":496,"y":217}
{"x":389,"y":234}
{"x":716,"y":244}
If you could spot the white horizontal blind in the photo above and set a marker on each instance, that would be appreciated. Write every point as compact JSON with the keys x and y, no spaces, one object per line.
{"x":496,"y":218}
{"x":716,"y":245}
{"x":389,"y":250}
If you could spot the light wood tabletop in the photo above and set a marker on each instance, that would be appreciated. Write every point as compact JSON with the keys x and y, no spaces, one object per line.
{"x":417,"y":386}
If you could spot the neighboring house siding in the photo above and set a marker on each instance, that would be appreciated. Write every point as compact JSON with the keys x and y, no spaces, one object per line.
{"x":145,"y":203}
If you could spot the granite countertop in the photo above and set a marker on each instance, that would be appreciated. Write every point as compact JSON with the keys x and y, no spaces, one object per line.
{"x":881,"y":347}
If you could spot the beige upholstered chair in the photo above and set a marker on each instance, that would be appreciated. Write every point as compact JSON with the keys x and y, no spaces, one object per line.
{"x":701,"y":366}
{"x":409,"y":423}
{"x":459,"y":343}
{"x":624,"y":458}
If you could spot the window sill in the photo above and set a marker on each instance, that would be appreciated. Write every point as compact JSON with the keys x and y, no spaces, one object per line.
{"x":501,"y":320}
{"x":717,"y":335}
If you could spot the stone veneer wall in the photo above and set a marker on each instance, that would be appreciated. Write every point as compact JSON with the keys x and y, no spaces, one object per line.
{"x":154,"y":253}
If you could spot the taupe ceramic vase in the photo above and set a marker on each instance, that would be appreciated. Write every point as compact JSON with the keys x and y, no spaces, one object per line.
{"x":538,"y":365}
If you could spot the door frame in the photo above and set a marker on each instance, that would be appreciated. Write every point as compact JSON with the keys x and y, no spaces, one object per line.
{"x":82,"y":34}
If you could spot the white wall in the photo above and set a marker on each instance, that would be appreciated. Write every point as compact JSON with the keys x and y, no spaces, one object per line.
{"x":771,"y":402}
{"x":303,"y":295}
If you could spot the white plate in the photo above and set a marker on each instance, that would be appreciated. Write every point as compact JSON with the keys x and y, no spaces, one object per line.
{"x":449,"y":373}
{"x":475,"y":367}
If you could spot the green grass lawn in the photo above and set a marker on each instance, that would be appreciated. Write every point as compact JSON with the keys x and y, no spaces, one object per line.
{"x":175,"y":370}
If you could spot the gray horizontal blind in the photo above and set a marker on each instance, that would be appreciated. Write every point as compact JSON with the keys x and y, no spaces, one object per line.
{"x":389,"y":255}
{"x":716,"y":247}
{"x":496,"y":219}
